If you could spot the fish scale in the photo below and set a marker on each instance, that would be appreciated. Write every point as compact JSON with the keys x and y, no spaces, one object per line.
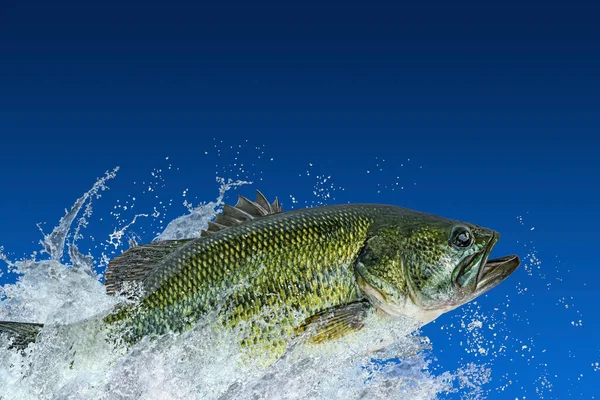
{"x":315,"y":272}
{"x":299,"y":260}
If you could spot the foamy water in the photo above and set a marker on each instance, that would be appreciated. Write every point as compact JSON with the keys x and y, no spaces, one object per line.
{"x":64,"y":292}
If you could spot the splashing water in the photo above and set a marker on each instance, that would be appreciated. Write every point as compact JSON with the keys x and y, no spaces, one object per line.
{"x":203,"y":363}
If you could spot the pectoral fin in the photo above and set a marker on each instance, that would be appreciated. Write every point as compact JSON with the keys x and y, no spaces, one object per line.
{"x":335,"y":322}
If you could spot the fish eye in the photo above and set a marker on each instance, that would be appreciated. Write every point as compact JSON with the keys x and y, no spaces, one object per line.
{"x":461,"y":237}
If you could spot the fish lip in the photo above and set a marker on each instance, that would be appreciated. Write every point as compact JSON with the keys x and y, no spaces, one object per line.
{"x":486,"y":255}
{"x":496,"y":271}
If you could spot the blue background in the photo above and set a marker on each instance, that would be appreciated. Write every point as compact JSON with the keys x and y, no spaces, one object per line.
{"x":499,"y":103}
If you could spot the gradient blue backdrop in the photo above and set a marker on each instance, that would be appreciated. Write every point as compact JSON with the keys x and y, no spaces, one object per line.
{"x":497,"y":101}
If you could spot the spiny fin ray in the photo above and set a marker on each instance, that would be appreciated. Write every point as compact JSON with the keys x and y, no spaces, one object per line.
{"x":137,"y":263}
{"x":244,"y":210}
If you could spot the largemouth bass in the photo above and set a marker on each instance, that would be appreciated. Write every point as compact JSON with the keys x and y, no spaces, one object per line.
{"x":315,"y":273}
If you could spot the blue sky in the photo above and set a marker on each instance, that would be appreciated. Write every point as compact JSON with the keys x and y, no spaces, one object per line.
{"x":496,"y":105}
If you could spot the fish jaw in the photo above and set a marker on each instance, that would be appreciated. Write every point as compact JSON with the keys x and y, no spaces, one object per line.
{"x":496,"y":271}
{"x":492,"y":273}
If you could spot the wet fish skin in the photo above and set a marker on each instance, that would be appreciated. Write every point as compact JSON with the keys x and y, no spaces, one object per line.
{"x":299,"y":260}
{"x":314,"y":273}
{"x":304,"y":261}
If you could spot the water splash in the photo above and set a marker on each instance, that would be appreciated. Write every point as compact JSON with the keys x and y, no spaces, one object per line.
{"x":54,"y":243}
{"x":191,"y":224}
{"x":203,"y":363}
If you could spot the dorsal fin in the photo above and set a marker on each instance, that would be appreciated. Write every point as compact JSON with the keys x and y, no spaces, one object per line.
{"x":244,"y":210}
{"x":136,"y":263}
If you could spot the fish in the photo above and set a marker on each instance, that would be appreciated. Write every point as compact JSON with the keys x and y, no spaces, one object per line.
{"x":314,"y":273}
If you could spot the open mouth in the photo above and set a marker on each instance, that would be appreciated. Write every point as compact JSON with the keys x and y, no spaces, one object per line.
{"x":495,"y":271}
{"x":489,"y":274}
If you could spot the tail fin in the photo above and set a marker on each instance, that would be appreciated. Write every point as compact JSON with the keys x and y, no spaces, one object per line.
{"x":21,"y":333}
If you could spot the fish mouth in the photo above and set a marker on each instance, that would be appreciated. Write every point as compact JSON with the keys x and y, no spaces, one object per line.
{"x":489,"y":273}
{"x":495,"y":271}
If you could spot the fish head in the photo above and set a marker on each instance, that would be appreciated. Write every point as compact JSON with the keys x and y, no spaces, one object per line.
{"x":426,"y":265}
